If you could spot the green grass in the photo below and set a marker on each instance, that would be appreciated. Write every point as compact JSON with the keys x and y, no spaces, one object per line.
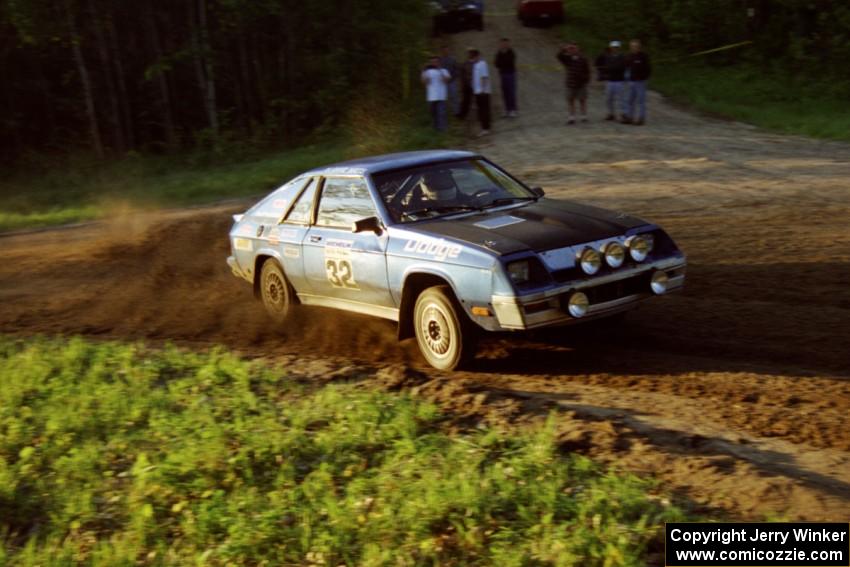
{"x":113,"y":454}
{"x":779,"y":101}
{"x":77,"y":191}
{"x":745,"y":93}
{"x":73,"y":189}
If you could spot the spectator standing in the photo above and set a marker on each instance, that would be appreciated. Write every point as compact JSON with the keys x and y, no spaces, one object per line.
{"x":465,"y":86}
{"x":615,"y":70}
{"x":449,"y":63}
{"x":599,"y":63}
{"x":481,"y":88}
{"x":638,"y":71}
{"x":506,"y":64}
{"x":435,"y":79}
{"x":578,"y":76}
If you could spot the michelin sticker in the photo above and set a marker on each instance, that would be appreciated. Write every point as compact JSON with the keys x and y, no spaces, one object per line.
{"x":437,"y":249}
{"x":338,"y":265}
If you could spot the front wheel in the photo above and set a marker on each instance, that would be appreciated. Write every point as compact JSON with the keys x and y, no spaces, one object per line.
{"x":445,"y":337}
{"x":275,"y":291}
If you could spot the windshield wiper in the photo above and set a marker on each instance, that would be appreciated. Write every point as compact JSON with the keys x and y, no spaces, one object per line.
{"x":508,"y":200}
{"x":440,"y":209}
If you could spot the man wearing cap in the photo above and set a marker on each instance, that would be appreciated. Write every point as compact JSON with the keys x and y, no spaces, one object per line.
{"x":615,"y":70}
{"x":638,"y":70}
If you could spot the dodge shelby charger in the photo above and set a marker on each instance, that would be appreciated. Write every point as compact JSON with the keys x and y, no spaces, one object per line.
{"x":447,"y":244}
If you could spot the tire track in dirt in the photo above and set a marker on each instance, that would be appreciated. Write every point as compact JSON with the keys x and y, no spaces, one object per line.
{"x":736,"y":393}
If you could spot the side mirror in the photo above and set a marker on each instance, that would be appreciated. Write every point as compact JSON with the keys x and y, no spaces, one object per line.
{"x":538,"y":191}
{"x":369,"y":224}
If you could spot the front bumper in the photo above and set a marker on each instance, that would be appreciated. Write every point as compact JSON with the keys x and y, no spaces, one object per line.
{"x":609,"y":294}
{"x":237,"y":270}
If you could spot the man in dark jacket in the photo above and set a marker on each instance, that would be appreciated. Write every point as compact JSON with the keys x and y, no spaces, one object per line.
{"x":599,"y":63}
{"x":466,"y":93}
{"x":615,"y":69}
{"x":506,"y":64}
{"x":638,"y":71}
{"x":578,"y":75}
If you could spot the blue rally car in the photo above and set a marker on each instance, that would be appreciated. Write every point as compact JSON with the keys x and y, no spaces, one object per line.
{"x":446,"y":243}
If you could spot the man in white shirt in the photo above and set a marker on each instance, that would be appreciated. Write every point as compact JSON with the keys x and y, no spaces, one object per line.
{"x":481,"y":89}
{"x":435,"y":79}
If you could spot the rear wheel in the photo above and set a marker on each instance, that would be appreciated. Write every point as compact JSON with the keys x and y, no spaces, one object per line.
{"x":444,"y":334}
{"x":275,"y":291}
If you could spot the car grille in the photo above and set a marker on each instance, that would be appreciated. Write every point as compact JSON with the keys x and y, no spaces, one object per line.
{"x":620,"y":288}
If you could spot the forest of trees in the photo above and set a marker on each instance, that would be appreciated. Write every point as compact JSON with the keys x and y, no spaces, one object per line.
{"x":159,"y":75}
{"x":810,"y":38}
{"x":113,"y":76}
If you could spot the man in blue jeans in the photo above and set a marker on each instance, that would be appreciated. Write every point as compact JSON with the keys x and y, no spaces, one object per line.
{"x":614,"y":64}
{"x":435,"y":79}
{"x":638,"y":71}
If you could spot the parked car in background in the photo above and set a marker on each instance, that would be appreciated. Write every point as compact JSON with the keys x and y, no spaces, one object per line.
{"x":540,"y":11}
{"x":451,"y":16}
{"x":448,"y":244}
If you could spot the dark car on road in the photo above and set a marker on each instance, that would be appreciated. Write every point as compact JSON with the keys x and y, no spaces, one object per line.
{"x":447,"y":244}
{"x":451,"y":16}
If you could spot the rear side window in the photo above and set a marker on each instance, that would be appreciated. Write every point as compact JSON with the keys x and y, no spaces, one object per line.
{"x":300,"y":212}
{"x":275,"y":204}
{"x":343,"y":201}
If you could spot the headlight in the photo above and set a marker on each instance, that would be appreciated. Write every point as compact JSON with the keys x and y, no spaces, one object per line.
{"x":615,"y":254}
{"x":590,"y":261}
{"x":518,"y":271}
{"x":578,"y":304}
{"x":658,"y":283}
{"x":640,"y":246}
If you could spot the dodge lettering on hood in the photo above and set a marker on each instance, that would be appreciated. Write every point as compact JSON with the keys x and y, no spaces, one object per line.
{"x":448,"y":244}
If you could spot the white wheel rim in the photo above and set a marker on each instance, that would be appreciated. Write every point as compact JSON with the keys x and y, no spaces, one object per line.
{"x":274,"y":292}
{"x":435,"y":330}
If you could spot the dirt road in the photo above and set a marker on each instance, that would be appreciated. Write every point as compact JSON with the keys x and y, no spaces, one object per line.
{"x":735,"y":394}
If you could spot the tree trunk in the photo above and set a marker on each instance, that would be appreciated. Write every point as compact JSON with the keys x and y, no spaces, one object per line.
{"x":161,"y":80}
{"x":111,"y":91}
{"x":123,"y":98}
{"x":203,"y":64}
{"x":84,"y":79}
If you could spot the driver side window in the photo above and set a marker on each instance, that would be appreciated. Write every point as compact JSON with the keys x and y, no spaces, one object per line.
{"x":343,"y":201}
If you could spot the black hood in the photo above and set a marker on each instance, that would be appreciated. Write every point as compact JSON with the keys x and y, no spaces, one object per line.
{"x":539,"y":226}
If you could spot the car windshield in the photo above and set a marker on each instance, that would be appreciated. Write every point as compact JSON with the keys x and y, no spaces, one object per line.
{"x":444,"y":188}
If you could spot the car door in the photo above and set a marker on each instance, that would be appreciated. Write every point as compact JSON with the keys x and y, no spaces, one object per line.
{"x":340,"y":263}
{"x":287,"y":236}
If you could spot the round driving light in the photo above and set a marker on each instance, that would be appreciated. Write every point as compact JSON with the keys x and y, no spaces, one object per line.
{"x":615,"y":254}
{"x":658,"y":283}
{"x":590,"y":261}
{"x":578,"y":304}
{"x":639,"y":248}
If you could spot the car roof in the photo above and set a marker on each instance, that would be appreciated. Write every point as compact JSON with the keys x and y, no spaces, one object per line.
{"x":386,"y":162}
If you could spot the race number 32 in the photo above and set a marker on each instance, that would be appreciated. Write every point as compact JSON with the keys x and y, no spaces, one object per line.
{"x":340,"y":274}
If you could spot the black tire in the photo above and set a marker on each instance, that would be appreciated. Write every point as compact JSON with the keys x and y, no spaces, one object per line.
{"x":445,"y":336}
{"x":275,"y":291}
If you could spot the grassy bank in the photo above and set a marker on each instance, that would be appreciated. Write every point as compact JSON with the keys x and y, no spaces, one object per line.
{"x":111,"y":454}
{"x":746,"y":92}
{"x":73,"y":189}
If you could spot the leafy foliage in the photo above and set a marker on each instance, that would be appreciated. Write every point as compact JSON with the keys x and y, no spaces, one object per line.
{"x":112,"y":454}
